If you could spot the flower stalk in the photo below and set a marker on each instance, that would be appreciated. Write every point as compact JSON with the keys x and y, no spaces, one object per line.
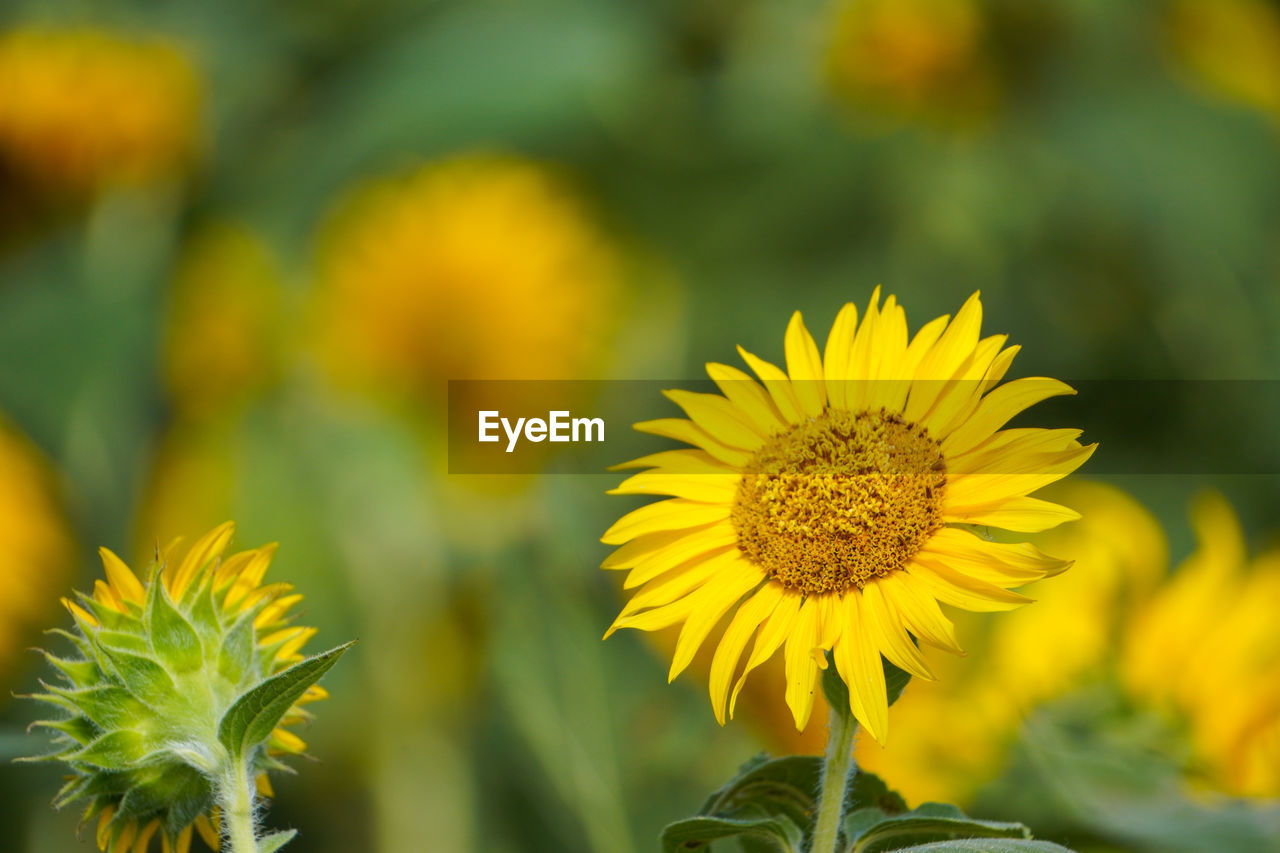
{"x":837,"y":769}
{"x":235,"y":799}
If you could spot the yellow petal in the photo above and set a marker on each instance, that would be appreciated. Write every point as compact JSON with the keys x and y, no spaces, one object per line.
{"x":858,"y":662}
{"x":1023,"y":515}
{"x":207,"y":548}
{"x":106,"y":597}
{"x":144,"y":837}
{"x":706,"y":488}
{"x":955,"y":345}
{"x":802,"y":669}
{"x":288,"y":741}
{"x":972,"y":492}
{"x":779,"y":386}
{"x":835,"y":357}
{"x":720,"y":418}
{"x":889,"y":634}
{"x":664,"y":590}
{"x":772,"y":634}
{"x":960,"y":590}
{"x":690,"y":433}
{"x":713,"y":540}
{"x":686,"y":460}
{"x":263,"y":784}
{"x":805,"y":367}
{"x":752,"y":400}
{"x":744,"y":624}
{"x":104,"y":831}
{"x":920,"y":611}
{"x":122,"y":580}
{"x":864,"y":359}
{"x":205,"y":828}
{"x":728,"y":589}
{"x":635,"y":551}
{"x":1011,"y":451}
{"x":672,"y":514}
{"x":125,"y":839}
{"x":998,"y":407}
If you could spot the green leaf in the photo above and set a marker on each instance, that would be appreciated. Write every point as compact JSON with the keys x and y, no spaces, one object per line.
{"x":871,"y":830}
{"x":787,"y":786}
{"x":273,"y":842}
{"x":697,"y":833}
{"x":867,"y":790}
{"x":254,"y":715}
{"x":994,"y":845}
{"x":173,"y":638}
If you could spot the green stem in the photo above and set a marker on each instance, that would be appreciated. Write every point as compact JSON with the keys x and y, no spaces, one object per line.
{"x":235,"y":797}
{"x":837,"y":768}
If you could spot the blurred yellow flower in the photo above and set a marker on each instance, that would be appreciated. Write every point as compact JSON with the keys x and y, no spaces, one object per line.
{"x":1232,"y":47}
{"x":1206,"y":648}
{"x":477,"y":267}
{"x":911,"y":58}
{"x":1118,"y":553}
{"x":826,"y":509}
{"x":1199,"y":643}
{"x":225,"y":329}
{"x":85,"y":108}
{"x":36,"y":551}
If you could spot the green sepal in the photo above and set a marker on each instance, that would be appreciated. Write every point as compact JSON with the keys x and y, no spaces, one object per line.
{"x":77,"y":728}
{"x":776,"y":833}
{"x":106,"y":785}
{"x":235,"y":658}
{"x":108,"y":618}
{"x":173,"y":638}
{"x":187,"y":801}
{"x":118,"y":641}
{"x":81,"y":644}
{"x":204,"y":614}
{"x":81,"y":673}
{"x":115,"y":750}
{"x":273,"y":842}
{"x":251,"y":719}
{"x":107,"y":706}
{"x":141,"y":675}
{"x":871,"y":830}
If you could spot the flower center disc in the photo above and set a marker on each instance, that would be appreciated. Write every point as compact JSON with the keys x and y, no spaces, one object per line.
{"x":840,"y":499}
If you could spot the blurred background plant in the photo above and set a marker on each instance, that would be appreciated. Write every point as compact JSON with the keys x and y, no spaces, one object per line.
{"x":243,"y":245}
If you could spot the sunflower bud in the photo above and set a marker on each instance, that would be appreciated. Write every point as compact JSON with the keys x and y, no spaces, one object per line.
{"x":182,"y":691}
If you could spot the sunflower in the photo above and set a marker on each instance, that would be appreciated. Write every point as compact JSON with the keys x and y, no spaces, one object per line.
{"x":147,"y":785}
{"x":912,"y":58}
{"x":413,"y":290}
{"x":84,"y":108}
{"x":827,"y":508}
{"x":1205,"y":651}
{"x":36,"y":544}
{"x":1230,"y":48}
{"x":1119,"y":554}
